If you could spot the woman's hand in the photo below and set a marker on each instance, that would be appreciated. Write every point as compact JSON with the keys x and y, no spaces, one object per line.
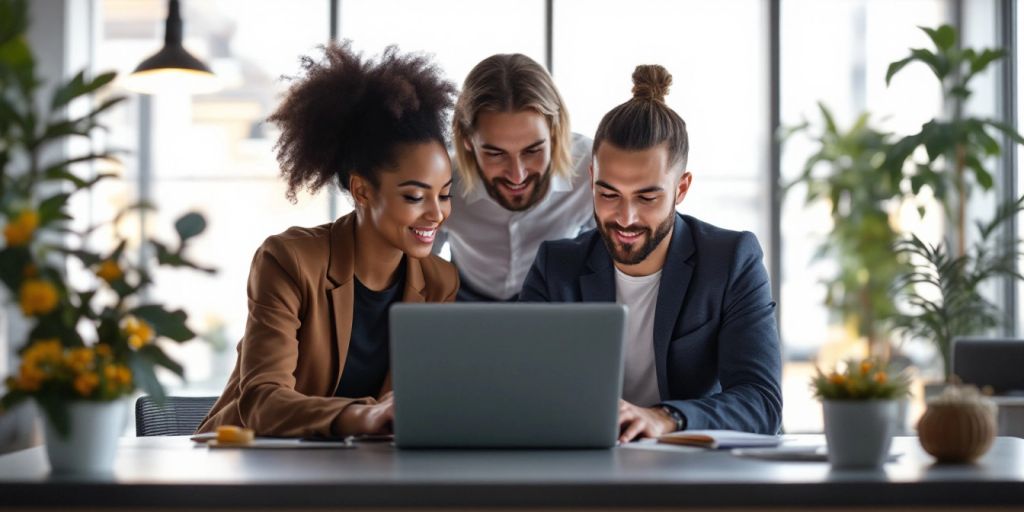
{"x":376,"y":418}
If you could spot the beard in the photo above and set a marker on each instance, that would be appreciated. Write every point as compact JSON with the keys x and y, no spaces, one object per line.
{"x":539,"y":182}
{"x":634,"y":253}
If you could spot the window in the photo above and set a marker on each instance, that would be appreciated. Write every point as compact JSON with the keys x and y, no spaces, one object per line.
{"x":458,"y":33}
{"x":837,"y":53}
{"x":212,"y":153}
{"x":717,"y":55}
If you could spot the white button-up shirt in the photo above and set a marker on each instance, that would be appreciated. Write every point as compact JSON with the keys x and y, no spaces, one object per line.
{"x":494,"y":247}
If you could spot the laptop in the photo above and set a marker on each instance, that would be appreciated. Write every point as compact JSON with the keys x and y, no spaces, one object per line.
{"x":501,"y":375}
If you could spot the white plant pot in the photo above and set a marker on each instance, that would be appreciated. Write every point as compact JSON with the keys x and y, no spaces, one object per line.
{"x":859,"y":432}
{"x":20,"y":428}
{"x":91,"y":444}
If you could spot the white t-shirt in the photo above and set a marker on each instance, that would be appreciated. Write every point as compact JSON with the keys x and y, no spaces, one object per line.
{"x":639,"y":295}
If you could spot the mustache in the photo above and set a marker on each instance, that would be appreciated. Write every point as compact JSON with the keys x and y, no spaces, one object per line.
{"x":529,"y":179}
{"x":608,"y":226}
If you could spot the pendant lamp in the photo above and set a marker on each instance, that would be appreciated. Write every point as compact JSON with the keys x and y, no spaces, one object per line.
{"x":173,"y":68}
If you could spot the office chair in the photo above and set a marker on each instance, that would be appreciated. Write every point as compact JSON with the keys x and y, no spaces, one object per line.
{"x":994,"y":362}
{"x":178,"y":416}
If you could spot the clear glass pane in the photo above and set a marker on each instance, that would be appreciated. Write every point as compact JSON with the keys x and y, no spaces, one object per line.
{"x":212,"y":153}
{"x":1020,"y":158}
{"x":837,"y":53}
{"x":459,"y":33}
{"x":240,"y":215}
{"x":250,"y":46}
{"x":717,"y":54}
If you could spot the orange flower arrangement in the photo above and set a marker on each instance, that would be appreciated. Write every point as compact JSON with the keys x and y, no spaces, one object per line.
{"x":868,"y":379}
{"x":93,"y":340}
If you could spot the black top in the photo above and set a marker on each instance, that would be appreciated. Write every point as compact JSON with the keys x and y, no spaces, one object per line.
{"x":367,"y":362}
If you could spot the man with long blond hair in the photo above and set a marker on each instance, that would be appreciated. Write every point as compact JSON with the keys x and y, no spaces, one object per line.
{"x":521,"y":175}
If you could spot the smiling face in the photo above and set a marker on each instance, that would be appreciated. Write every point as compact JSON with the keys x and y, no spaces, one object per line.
{"x":513,"y":153}
{"x":412,"y":199}
{"x":635,"y":195}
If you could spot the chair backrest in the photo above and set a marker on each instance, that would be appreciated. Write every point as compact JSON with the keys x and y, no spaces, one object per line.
{"x":177,"y":416}
{"x":990,"y":362}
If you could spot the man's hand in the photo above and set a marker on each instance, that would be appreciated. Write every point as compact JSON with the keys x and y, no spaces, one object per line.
{"x":375,"y":418}
{"x":637,"y":421}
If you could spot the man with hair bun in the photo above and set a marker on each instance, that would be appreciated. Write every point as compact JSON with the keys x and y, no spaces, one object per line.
{"x":314,"y":359}
{"x":702,"y":347}
{"x":520,"y":175}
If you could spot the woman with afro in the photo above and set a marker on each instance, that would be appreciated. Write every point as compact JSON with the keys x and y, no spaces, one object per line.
{"x":314,"y":357}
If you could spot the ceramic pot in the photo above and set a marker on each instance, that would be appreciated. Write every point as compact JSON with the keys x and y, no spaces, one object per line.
{"x":91,"y":444}
{"x":859,"y":432}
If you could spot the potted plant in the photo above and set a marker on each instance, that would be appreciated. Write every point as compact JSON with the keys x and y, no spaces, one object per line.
{"x":942,"y":289}
{"x":846,"y":174}
{"x":860,"y":405}
{"x":88,"y":347}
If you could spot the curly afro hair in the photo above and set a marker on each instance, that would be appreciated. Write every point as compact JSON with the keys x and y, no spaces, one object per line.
{"x":347,"y":115}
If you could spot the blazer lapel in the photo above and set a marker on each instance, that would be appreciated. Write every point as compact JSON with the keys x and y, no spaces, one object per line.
{"x":413,"y":293}
{"x":675,"y":280}
{"x":340,"y":272}
{"x":599,"y":284}
{"x":414,"y":283}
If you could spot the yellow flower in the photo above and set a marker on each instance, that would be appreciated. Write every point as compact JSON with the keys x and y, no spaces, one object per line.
{"x":118,"y":374}
{"x":139,"y":332}
{"x":837,"y":378}
{"x":30,"y":377}
{"x":109,"y":271}
{"x":46,"y":351}
{"x":80,"y":359}
{"x":38,"y":297}
{"x":103,"y":350}
{"x":881,"y":377}
{"x":865,"y":367}
{"x":117,"y":377}
{"x":19,"y":230}
{"x":85,"y":383}
{"x":124,"y":375}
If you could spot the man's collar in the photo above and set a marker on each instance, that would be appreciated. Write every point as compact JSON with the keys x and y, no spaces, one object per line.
{"x":479,"y":191}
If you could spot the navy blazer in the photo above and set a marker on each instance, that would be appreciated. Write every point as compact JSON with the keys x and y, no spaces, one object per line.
{"x":716,"y":344}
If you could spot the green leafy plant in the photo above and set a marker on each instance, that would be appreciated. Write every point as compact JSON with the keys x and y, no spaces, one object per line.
{"x":868,"y":379}
{"x":943,"y":289}
{"x":957,"y":144}
{"x":846,"y":174}
{"x":85,"y":343}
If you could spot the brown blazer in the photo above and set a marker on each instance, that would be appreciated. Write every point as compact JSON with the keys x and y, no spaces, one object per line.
{"x":296,"y":337}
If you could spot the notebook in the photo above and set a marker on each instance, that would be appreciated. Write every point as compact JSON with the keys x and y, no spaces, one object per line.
{"x":720,"y":439}
{"x":277,"y":443}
